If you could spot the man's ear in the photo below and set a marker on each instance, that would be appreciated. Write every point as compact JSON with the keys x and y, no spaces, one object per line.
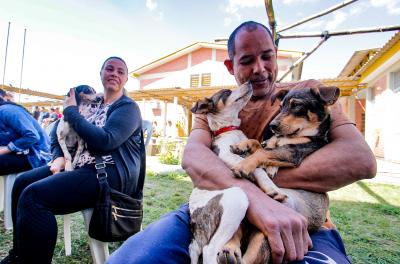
{"x":229,"y":66}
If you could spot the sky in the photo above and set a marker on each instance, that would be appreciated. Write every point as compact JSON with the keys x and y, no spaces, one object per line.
{"x":67,"y":40}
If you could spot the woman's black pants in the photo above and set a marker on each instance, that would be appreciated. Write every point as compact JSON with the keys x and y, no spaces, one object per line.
{"x":38,"y":196}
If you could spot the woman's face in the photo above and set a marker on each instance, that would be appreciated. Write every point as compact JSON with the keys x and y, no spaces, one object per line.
{"x":114,"y":75}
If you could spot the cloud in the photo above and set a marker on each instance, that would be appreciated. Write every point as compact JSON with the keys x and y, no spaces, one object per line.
{"x":311,"y":25}
{"x":151,"y":4}
{"x":392,"y":6}
{"x":289,"y":2}
{"x":233,"y":7}
{"x":338,"y":19}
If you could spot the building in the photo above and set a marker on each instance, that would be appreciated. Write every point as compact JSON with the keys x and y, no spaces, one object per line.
{"x":375,"y":109}
{"x":196,"y":68}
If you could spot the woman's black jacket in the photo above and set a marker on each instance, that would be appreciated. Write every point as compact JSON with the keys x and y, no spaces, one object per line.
{"x":121,"y":137}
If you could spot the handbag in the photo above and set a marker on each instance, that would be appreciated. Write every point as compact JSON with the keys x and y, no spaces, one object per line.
{"x":116,"y":216}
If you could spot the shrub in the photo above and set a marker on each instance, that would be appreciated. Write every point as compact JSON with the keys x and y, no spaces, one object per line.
{"x":168,"y":154}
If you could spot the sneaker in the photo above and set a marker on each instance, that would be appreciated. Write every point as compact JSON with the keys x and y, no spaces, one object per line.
{"x":10,"y":259}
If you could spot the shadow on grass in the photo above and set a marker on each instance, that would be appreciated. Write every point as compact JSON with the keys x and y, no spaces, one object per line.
{"x":370,"y":231}
{"x":368,"y":190}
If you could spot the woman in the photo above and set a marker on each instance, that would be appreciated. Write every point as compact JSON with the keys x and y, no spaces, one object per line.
{"x":23,"y":143}
{"x":114,"y":132}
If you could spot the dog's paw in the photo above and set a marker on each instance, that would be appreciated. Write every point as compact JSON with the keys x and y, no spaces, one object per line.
{"x":229,"y":256}
{"x":238,"y":150}
{"x":68,"y":165}
{"x":277,"y":196}
{"x":239,"y":172}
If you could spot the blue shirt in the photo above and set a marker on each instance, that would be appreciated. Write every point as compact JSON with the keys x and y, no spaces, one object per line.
{"x":22,"y":134}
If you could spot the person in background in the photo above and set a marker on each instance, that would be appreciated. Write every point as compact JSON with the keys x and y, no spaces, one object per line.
{"x":59,"y":115}
{"x":23,"y":143}
{"x":9,"y":97}
{"x":346,"y":159}
{"x":114,"y":132}
{"x":43,"y":115}
{"x":36,"y":113}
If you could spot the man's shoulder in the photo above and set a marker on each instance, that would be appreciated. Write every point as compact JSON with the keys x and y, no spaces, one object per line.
{"x":299,"y":84}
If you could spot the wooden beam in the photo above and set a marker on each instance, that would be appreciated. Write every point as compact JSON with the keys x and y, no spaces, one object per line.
{"x":42,"y":103}
{"x":31,"y":92}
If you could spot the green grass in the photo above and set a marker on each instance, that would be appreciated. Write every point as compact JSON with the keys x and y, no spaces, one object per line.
{"x":367,"y":216}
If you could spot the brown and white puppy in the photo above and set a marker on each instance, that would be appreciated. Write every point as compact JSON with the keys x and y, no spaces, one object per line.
{"x":300,"y":128}
{"x":69,"y":141}
{"x":216,"y":216}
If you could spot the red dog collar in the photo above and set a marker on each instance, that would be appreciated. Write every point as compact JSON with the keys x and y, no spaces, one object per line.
{"x":224,"y":129}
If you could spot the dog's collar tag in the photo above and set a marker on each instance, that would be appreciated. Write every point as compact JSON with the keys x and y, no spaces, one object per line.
{"x":224,"y":129}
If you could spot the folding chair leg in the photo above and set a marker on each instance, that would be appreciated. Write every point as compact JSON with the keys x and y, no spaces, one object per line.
{"x":2,"y":193}
{"x":67,"y":234}
{"x":8,"y":185}
{"x":98,"y":249}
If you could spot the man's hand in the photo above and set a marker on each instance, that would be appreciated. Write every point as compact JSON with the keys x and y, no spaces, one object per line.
{"x":70,"y":100}
{"x":285,"y":228}
{"x":57,"y":165}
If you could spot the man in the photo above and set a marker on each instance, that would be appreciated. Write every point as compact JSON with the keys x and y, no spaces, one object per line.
{"x":347,"y":158}
{"x":36,"y":113}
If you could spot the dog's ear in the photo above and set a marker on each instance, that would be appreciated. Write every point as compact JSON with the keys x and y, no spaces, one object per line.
{"x":327,"y":94}
{"x":279,"y":95}
{"x":203,"y":106}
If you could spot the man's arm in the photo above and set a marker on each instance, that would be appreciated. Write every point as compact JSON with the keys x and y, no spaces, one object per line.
{"x":346,"y":159}
{"x":285,"y":228}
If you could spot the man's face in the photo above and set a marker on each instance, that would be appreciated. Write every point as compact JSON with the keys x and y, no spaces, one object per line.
{"x":255,"y":60}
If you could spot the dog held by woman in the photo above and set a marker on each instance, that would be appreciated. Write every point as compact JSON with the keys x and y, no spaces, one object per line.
{"x":70,"y":143}
{"x":220,"y":232}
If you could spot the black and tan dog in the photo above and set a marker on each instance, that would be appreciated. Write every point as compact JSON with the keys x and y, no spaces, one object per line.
{"x":219,"y":232}
{"x":69,"y":141}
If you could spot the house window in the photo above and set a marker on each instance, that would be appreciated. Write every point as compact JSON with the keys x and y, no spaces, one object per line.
{"x":206,"y":79}
{"x":395,"y":81}
{"x":194,"y":80}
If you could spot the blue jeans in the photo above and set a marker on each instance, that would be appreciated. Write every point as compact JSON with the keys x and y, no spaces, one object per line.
{"x":167,"y":241}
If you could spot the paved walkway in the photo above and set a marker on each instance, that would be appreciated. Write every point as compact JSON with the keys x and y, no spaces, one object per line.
{"x":387,"y":172}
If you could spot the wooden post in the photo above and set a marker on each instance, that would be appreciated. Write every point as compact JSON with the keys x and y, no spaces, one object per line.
{"x":190,"y":120}
{"x":165,"y":118}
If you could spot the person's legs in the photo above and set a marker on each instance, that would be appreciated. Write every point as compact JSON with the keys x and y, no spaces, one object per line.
{"x":165,"y":241}
{"x":61,"y":193}
{"x":13,"y":163}
{"x":328,"y":247}
{"x":21,"y":182}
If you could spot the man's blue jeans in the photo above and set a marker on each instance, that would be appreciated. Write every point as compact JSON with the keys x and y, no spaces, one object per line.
{"x":167,"y":241}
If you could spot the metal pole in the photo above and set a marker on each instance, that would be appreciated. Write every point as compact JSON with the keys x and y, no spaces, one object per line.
{"x":306,"y":55}
{"x":22,"y":68}
{"x":271,"y":19}
{"x":326,"y":11}
{"x":341,"y":33}
{"x":5,"y":59}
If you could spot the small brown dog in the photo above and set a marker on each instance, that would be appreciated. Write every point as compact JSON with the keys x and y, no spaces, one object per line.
{"x":68,"y":139}
{"x":219,"y":235}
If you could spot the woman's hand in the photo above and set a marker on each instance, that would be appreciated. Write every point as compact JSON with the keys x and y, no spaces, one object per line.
{"x":70,"y":100}
{"x":57,"y":165}
{"x":4,"y":150}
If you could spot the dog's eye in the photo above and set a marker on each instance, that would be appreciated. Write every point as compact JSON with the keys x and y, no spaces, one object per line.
{"x":296,"y":104}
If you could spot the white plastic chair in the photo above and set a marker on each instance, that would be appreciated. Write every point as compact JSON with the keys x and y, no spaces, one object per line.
{"x":98,"y":249}
{"x":5,"y":193}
